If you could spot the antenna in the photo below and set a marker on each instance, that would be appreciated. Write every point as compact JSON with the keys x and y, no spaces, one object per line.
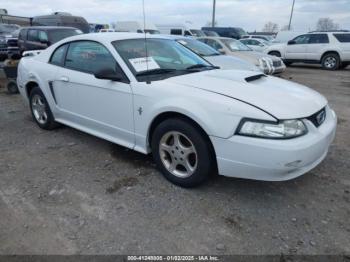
{"x":144,"y":28}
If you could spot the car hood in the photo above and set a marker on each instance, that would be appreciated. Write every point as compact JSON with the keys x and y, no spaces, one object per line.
{"x":280,"y":98}
{"x":231,"y":62}
{"x":253,"y":56}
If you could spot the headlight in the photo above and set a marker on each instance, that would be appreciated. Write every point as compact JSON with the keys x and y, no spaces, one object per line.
{"x":263,"y":63}
{"x":263,"y":129}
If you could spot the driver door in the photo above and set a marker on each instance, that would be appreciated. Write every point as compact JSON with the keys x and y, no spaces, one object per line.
{"x":98,"y":106}
{"x":297,"y":48}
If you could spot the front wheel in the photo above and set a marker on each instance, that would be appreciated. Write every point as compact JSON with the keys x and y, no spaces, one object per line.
{"x":331,"y":61}
{"x":182,"y":152}
{"x":40,"y":109}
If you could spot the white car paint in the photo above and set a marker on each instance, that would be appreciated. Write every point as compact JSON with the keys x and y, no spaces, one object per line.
{"x":217,"y":100}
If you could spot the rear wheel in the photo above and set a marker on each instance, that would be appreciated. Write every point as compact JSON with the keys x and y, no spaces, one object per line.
{"x":331,"y":61}
{"x":182,"y":153}
{"x":40,"y":109}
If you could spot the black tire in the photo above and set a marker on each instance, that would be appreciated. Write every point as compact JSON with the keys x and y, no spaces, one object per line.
{"x":205,"y":155}
{"x":344,"y":65}
{"x":12,"y":87}
{"x":327,"y":64}
{"x":50,"y":123}
{"x":275,"y":53}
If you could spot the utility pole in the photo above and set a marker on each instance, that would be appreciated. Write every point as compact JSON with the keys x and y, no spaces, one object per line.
{"x":291,"y":15}
{"x":213,"y":19}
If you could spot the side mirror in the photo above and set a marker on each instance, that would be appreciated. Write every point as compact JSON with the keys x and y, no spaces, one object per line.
{"x":291,"y":42}
{"x":108,"y":74}
{"x":222,"y":51}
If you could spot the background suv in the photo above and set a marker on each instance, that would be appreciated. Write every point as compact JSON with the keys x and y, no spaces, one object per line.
{"x":40,"y":37}
{"x":330,"y":49}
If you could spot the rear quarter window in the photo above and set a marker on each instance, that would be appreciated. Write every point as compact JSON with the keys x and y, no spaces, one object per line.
{"x":57,"y":57}
{"x":342,"y":38}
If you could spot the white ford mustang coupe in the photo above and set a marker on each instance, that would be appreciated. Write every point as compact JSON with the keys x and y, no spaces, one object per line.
{"x":153,"y":95}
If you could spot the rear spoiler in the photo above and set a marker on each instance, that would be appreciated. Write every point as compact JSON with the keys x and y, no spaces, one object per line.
{"x":31,"y":53}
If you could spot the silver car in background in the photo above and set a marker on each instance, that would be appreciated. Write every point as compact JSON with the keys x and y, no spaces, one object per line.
{"x":214,"y":57}
{"x":228,"y":46}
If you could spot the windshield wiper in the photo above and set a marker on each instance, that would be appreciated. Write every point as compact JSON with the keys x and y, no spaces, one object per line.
{"x":156,"y":71}
{"x":198,"y":66}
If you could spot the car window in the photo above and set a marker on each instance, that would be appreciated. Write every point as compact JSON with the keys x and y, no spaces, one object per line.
{"x":59,"y":34}
{"x":153,"y":54}
{"x":214,"y":44}
{"x":22,"y":34}
{"x":318,"y":39}
{"x":176,"y":32}
{"x":89,"y":57}
{"x":342,"y":38}
{"x":198,"y":47}
{"x":235,"y":45}
{"x":197,"y":33}
{"x":43,"y":36}
{"x":254,"y":42}
{"x":33,"y":35}
{"x":302,"y":39}
{"x":57,"y":57}
{"x":187,"y":33}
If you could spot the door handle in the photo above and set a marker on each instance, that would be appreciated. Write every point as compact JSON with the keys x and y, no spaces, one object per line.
{"x":64,"y":78}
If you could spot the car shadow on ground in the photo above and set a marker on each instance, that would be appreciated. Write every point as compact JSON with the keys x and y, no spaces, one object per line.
{"x":313,"y":66}
{"x":216,"y":183}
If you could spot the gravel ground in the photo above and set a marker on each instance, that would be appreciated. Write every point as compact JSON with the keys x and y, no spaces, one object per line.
{"x":66,"y":192}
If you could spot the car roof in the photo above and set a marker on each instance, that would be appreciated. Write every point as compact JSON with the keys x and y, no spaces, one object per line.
{"x":215,"y":37}
{"x":113,"y":36}
{"x":47,"y":27}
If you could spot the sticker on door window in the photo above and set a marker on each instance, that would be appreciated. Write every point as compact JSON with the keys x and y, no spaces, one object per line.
{"x":144,"y":64}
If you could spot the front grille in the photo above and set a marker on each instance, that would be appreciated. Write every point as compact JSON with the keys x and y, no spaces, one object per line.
{"x":276,"y":63}
{"x":318,"y":118}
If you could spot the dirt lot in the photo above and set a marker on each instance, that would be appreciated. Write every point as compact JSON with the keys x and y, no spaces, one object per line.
{"x":66,"y":192}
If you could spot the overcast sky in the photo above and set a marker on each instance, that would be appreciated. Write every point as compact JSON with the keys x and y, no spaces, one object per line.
{"x":248,"y":14}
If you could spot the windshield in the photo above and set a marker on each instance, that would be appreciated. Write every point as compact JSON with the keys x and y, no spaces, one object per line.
{"x":152,"y":31}
{"x":265,"y":42}
{"x":198,"y":47}
{"x":8,"y":29}
{"x":211,"y":33}
{"x":197,"y":33}
{"x":235,"y":45}
{"x":158,"y":58}
{"x":59,"y":34}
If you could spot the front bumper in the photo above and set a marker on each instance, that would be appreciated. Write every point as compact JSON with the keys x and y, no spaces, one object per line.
{"x":280,"y":69}
{"x":275,"y":160}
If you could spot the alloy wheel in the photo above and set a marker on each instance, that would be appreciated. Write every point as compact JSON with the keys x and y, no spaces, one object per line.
{"x":178,"y":154}
{"x":330,"y":62}
{"x":39,"y":109}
